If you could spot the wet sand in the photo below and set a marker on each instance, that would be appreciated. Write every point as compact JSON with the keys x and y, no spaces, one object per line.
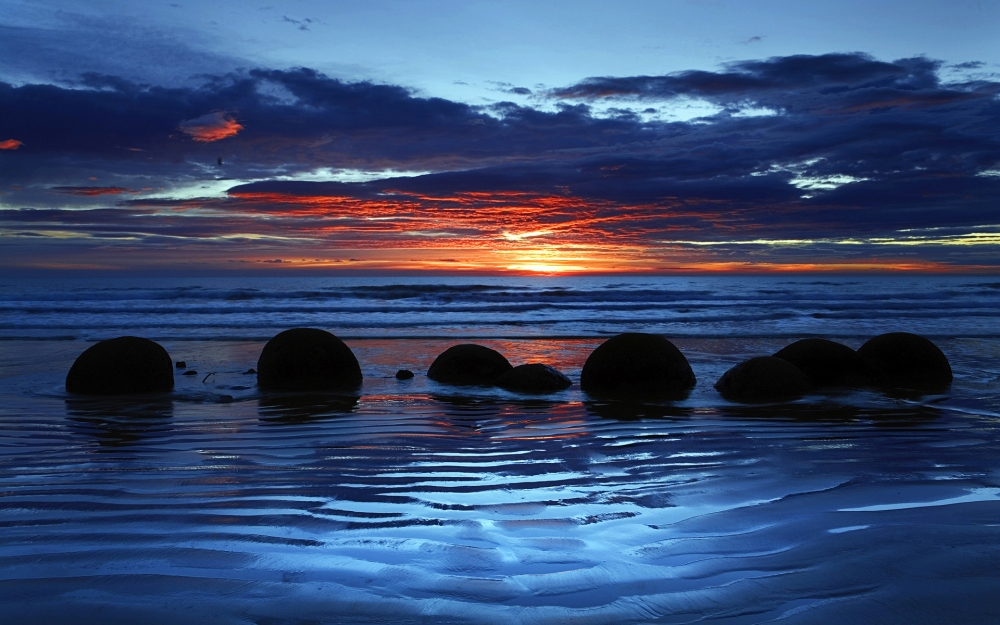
{"x":417,"y":502}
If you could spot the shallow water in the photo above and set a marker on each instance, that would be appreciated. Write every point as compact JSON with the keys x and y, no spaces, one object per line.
{"x":416,"y":502}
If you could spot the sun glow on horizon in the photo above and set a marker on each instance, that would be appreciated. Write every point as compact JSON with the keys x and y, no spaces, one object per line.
{"x":495,"y":233}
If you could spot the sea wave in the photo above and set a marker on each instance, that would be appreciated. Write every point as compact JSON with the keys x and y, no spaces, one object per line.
{"x":695,"y":306}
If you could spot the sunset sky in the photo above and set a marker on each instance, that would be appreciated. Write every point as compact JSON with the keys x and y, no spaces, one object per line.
{"x":514,"y":136}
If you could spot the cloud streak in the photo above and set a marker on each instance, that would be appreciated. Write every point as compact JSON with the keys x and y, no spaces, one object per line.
{"x":92,"y":191}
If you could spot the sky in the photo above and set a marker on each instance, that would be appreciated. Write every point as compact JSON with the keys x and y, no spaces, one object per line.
{"x":499,"y":137}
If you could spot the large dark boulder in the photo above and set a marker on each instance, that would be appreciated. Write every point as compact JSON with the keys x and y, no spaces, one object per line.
{"x":905,"y":360}
{"x":468,"y":364}
{"x":762,"y":379}
{"x":826,"y":363}
{"x":635,"y":364}
{"x":307,"y":359}
{"x":126,"y":365}
{"x":534,"y":378}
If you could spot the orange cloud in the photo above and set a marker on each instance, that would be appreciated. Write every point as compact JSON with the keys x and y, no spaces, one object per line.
{"x":500,"y":232}
{"x":10,"y":144}
{"x":495,"y":220}
{"x":210,"y":127}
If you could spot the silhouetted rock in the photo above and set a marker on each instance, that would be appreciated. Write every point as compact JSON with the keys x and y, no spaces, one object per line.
{"x":907,"y":361}
{"x":634,"y":364}
{"x":764,"y":378}
{"x":249,"y":371}
{"x":190,"y":372}
{"x":123,"y":366}
{"x":404,"y":374}
{"x":307,"y":359}
{"x":181,"y":364}
{"x":468,"y":364}
{"x":826,"y":363}
{"x":533,"y":378}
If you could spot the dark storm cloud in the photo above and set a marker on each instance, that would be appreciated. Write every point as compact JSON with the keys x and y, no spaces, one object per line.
{"x":266,"y":123}
{"x":107,"y":114}
{"x":845,"y":142}
{"x":849,"y":110}
{"x":839,"y":145}
{"x":831,"y":73}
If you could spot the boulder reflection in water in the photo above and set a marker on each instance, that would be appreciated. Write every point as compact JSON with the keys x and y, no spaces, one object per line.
{"x":280,"y":409}
{"x":629,"y":410}
{"x":120,"y":421}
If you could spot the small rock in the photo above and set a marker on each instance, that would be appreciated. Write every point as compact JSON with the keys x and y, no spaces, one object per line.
{"x":238,"y":388}
{"x":181,"y":364}
{"x":121,"y":366}
{"x":826,"y":363}
{"x":191,"y":372}
{"x":636,"y":364}
{"x":249,"y":371}
{"x":761,"y":379}
{"x":404,"y":374}
{"x":906,"y":360}
{"x":468,"y":364}
{"x":307,"y":359}
{"x":226,"y":399}
{"x":533,"y":378}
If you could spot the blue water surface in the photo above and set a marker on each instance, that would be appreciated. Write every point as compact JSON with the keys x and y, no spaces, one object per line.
{"x":415,"y":502}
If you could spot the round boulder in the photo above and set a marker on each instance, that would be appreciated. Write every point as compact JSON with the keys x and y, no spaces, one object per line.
{"x":468,"y":364}
{"x":534,"y":378}
{"x":636,"y":364}
{"x":126,"y":365}
{"x":826,"y":363}
{"x":404,"y":374}
{"x":307,"y":359}
{"x":906,"y":360}
{"x":762,"y":379}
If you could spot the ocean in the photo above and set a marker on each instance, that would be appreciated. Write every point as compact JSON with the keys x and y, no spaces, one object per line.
{"x":417,"y":502}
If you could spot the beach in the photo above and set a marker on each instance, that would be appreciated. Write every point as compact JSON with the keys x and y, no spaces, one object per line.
{"x":413,"y":501}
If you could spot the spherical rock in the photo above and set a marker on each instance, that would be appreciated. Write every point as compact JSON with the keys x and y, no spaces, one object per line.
{"x":468,"y":364}
{"x":826,"y":363}
{"x":636,"y":364}
{"x":181,"y":364}
{"x":761,"y":379}
{"x":126,"y":365}
{"x":906,"y":360}
{"x":404,"y":374}
{"x":307,"y":359}
{"x":533,"y":378}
